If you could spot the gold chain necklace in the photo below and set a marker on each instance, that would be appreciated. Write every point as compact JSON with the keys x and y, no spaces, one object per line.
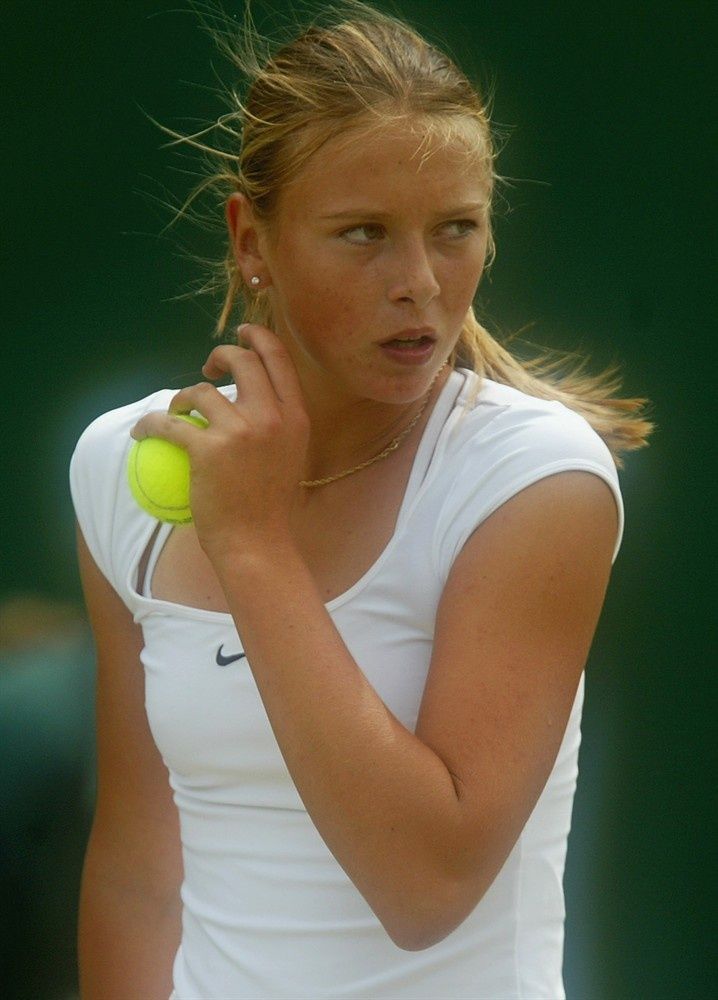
{"x":387,"y":451}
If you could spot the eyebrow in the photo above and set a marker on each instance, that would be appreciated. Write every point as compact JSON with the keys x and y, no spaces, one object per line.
{"x":364,"y":213}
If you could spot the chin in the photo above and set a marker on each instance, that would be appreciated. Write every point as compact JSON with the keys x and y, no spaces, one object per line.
{"x":402,"y":387}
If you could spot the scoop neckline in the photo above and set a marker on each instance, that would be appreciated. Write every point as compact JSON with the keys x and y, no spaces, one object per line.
{"x":451,"y":392}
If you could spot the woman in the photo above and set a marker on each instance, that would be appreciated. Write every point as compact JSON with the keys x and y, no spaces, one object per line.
{"x":362,"y":664}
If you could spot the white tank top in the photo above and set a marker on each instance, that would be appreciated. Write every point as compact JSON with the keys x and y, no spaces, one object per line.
{"x":267,"y":910}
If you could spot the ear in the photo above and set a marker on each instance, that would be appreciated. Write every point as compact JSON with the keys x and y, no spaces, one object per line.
{"x":244,"y":237}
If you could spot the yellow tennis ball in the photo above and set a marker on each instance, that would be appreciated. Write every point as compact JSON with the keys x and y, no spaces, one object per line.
{"x":158,"y":474}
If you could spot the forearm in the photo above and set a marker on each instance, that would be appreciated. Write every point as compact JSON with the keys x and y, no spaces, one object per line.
{"x":128,"y":934}
{"x":382,"y":800}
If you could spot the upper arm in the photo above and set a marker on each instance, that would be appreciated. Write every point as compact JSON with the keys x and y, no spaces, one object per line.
{"x":513,"y":630}
{"x":135,"y":819}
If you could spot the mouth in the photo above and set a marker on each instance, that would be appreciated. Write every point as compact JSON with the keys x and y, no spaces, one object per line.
{"x":411,"y":338}
{"x":410,"y":347}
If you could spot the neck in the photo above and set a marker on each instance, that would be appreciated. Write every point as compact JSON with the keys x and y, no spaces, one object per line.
{"x":345,"y":433}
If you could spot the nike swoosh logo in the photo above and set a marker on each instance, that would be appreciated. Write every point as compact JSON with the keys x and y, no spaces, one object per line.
{"x":223,"y":660}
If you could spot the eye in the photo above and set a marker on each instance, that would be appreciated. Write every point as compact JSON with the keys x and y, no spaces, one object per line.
{"x":368,"y":227}
{"x":467,"y":226}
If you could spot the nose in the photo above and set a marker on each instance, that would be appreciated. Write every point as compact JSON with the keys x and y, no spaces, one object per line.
{"x":415,"y":279}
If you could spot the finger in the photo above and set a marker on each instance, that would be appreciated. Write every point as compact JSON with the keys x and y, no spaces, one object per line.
{"x":219,"y":361}
{"x":168,"y":426}
{"x":278,"y":363}
{"x":203,"y":397}
{"x":248,"y":371}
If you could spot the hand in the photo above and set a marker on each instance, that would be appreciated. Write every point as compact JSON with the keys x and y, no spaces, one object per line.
{"x":245,"y":466}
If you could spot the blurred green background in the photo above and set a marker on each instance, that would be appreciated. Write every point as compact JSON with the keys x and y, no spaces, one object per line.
{"x":605,"y":244}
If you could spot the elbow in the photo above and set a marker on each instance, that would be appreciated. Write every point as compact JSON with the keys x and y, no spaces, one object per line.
{"x":433,"y":917}
{"x":417,"y":941}
{"x":420,"y":936}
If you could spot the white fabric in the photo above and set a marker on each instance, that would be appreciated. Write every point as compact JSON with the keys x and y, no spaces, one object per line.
{"x":268,"y":912}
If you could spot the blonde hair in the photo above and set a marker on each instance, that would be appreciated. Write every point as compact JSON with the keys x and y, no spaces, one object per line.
{"x":352,"y":68}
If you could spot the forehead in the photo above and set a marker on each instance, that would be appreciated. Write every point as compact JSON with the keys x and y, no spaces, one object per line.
{"x":398,"y":168}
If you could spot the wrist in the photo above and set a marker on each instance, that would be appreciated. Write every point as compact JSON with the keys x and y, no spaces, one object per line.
{"x":238,"y":558}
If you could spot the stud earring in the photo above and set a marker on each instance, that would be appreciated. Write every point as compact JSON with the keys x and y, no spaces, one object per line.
{"x":254,"y":281}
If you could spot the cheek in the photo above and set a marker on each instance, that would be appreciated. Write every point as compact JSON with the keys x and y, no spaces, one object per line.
{"x":328,"y":298}
{"x":459,"y":284}
{"x":322,"y":316}
{"x":465,"y":280}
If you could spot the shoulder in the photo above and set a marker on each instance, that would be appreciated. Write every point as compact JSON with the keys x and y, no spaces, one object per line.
{"x":112,"y":524}
{"x":501,"y":440}
{"x":106,"y":514}
{"x":111,"y":427}
{"x":103,"y":445}
{"x":102,"y":448}
{"x":508,"y":421}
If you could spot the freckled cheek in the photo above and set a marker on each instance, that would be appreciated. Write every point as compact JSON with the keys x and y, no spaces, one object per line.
{"x":326,"y":301}
{"x":319,"y":316}
{"x":459,"y":286}
{"x":307,"y":298}
{"x":329,"y":292}
{"x":321,"y":307}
